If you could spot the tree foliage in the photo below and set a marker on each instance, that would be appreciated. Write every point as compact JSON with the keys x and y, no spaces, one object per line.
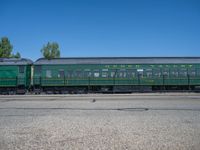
{"x":17,"y":55}
{"x":6,"y":49}
{"x":51,"y":50}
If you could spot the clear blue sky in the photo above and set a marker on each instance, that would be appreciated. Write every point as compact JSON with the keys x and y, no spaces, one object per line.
{"x":103,"y":27}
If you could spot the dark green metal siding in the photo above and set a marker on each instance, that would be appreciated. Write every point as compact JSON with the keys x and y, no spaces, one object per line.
{"x":11,"y":77}
{"x":175,"y":76}
{"x":8,"y":76}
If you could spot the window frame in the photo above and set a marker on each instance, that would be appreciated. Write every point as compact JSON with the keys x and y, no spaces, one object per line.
{"x":61,"y":73}
{"x":21,"y":69}
{"x":48,"y":73}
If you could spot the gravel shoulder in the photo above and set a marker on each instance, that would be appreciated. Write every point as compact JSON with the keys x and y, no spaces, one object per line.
{"x":98,"y":121}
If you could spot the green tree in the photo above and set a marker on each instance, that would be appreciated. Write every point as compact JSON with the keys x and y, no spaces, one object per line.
{"x":17,"y":55}
{"x":6,"y":49}
{"x":51,"y":50}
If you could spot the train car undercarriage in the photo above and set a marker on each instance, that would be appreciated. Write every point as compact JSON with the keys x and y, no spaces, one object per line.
{"x":114,"y":89}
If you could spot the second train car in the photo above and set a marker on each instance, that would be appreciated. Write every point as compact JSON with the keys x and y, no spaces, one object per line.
{"x":116,"y":74}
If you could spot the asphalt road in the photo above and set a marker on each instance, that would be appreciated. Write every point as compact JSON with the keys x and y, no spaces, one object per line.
{"x":132,"y":121}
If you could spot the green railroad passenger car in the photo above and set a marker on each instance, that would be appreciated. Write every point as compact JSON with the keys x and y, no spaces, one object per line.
{"x":15,"y":75}
{"x":116,"y":74}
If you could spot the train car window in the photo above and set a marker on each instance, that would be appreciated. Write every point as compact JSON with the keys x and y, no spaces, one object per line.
{"x":156,"y":72}
{"x":192,"y":72}
{"x":140,"y":72}
{"x":148,"y":73}
{"x":87,"y":74}
{"x":61,"y":74}
{"x":69,"y":73}
{"x":37,"y":69}
{"x":165,"y":72}
{"x":198,"y":72}
{"x":48,"y":74}
{"x":122,"y":73}
{"x":128,"y":71}
{"x":174,"y":72}
{"x":78,"y":74}
{"x":125,"y":74}
{"x":183,"y":72}
{"x":96,"y":73}
{"x":112,"y":74}
{"x":104,"y":74}
{"x":21,"y":69}
{"x":131,"y":73}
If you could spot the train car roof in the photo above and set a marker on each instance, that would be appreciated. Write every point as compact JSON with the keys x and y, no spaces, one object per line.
{"x":15,"y":61}
{"x":119,"y":60}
